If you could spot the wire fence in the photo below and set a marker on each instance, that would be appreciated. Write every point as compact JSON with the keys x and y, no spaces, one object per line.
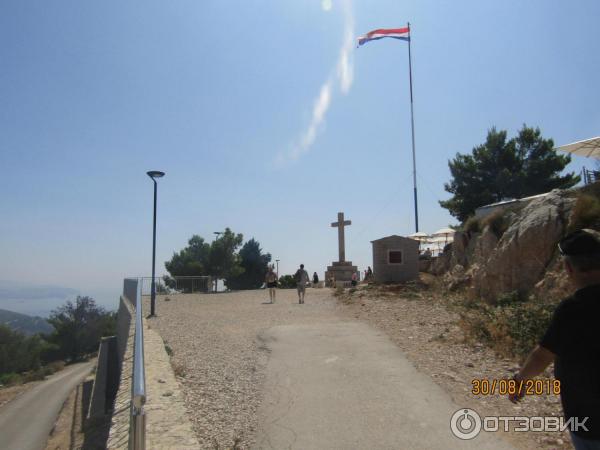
{"x":178,"y":285}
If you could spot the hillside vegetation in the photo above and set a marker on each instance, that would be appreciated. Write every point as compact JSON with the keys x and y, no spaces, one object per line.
{"x":23,"y":323}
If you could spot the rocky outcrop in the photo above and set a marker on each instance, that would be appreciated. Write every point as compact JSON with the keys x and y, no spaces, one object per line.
{"x":521,"y":256}
{"x":457,"y":277}
{"x":442,"y":263}
{"x":555,"y":284}
{"x":522,"y":259}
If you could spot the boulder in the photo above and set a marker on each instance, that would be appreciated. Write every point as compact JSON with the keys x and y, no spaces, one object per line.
{"x":555,"y":285}
{"x":456,"y":278}
{"x":520,"y":258}
{"x":484,"y":246}
{"x":441,"y":264}
{"x":459,"y":249}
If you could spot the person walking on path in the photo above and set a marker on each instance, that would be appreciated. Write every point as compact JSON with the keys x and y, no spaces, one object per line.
{"x":572,"y":342}
{"x":301,"y":277}
{"x":271,"y":280}
{"x":315,"y":279}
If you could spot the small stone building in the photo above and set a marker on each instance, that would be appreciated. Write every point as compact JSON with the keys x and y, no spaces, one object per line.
{"x":395,"y":259}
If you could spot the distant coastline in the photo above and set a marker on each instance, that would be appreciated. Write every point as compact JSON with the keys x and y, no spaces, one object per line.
{"x":41,"y":300}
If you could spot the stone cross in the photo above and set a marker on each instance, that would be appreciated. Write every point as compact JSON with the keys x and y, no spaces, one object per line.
{"x":341,"y":242}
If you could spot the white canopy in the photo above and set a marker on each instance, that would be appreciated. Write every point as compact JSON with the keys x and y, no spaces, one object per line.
{"x":589,"y":148}
{"x":419,"y":236}
{"x":444,"y":232}
{"x":439,"y":239}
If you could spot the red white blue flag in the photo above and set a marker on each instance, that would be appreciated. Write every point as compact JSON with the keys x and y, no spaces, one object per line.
{"x":396,"y":33}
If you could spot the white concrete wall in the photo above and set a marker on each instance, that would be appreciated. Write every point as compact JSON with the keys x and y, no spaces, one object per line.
{"x":167,"y":425}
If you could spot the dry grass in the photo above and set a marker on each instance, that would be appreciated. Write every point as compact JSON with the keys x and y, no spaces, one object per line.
{"x":497,"y":222}
{"x":586,"y":213}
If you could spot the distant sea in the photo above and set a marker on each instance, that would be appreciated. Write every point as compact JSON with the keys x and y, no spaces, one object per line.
{"x":41,"y":307}
{"x":42,"y":300}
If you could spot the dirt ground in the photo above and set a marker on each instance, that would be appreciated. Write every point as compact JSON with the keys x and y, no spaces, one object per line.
{"x":421,"y":323}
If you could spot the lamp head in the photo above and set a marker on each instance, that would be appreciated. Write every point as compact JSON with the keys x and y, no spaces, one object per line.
{"x":155,"y":174}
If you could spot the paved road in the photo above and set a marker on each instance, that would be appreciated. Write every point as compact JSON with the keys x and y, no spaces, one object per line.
{"x":347,"y":386}
{"x":26,"y":422}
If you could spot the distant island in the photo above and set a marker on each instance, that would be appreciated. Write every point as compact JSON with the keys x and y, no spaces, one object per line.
{"x":10,"y":290}
{"x":25,"y":324}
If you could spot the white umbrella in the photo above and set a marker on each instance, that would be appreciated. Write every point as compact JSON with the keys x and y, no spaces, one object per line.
{"x":589,"y":148}
{"x":436,"y":239}
{"x":444,"y":232}
{"x":419,"y":236}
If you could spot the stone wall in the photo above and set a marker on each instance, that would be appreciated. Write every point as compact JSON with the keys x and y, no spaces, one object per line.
{"x":167,"y":425}
{"x":118,"y":437}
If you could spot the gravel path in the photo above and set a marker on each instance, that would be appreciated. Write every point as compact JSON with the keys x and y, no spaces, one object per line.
{"x":219,"y":357}
{"x":221,"y":360}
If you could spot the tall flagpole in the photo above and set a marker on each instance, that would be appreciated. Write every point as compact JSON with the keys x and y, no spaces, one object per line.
{"x":412,"y":124}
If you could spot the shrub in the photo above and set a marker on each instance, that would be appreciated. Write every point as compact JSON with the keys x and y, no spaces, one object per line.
{"x":472,"y":225}
{"x":286,"y":282}
{"x":586,"y":213}
{"x":56,"y":366}
{"x":34,"y":375}
{"x":512,"y":328}
{"x":8,"y":379}
{"x":497,"y":222}
{"x":510,"y":298}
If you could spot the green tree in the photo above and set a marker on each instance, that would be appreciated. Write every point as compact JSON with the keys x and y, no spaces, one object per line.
{"x":255,"y":265}
{"x":503,"y":169}
{"x":79,"y":326}
{"x":192,"y":260}
{"x":224,"y":262}
{"x":286,"y":282}
{"x":19,"y":353}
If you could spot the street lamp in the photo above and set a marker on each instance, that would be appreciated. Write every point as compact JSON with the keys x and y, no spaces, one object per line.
{"x":154,"y":174}
{"x":217,"y":234}
{"x":277,"y":271}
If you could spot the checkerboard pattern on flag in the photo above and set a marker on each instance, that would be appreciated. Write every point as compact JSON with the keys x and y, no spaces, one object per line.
{"x":395,"y":33}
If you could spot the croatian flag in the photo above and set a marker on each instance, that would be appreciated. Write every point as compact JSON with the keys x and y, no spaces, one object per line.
{"x":396,"y":33}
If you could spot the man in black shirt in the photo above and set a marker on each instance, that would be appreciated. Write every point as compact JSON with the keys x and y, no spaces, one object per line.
{"x":572,"y":340}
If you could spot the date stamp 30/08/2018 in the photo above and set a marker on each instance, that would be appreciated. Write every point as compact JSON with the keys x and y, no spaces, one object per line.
{"x":494,"y":386}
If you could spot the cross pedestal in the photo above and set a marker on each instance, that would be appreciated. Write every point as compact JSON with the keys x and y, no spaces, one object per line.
{"x":341,"y":270}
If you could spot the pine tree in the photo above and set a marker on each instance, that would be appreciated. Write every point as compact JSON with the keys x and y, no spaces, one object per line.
{"x":502,"y":169}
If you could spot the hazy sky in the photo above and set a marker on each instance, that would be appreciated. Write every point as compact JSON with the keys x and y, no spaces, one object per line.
{"x":264,"y":117}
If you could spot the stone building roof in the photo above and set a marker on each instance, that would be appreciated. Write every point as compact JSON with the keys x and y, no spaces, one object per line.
{"x":393,"y":236}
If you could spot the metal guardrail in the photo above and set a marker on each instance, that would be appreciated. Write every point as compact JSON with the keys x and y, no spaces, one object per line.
{"x":137,"y":425}
{"x":590,"y":176}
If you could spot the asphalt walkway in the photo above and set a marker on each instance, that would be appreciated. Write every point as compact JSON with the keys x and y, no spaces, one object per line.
{"x":347,"y":386}
{"x":26,"y":421}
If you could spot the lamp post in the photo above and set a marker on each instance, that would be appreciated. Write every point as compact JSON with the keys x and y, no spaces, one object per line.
{"x":154,"y":174}
{"x":217,"y":234}
{"x":277,"y":262}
